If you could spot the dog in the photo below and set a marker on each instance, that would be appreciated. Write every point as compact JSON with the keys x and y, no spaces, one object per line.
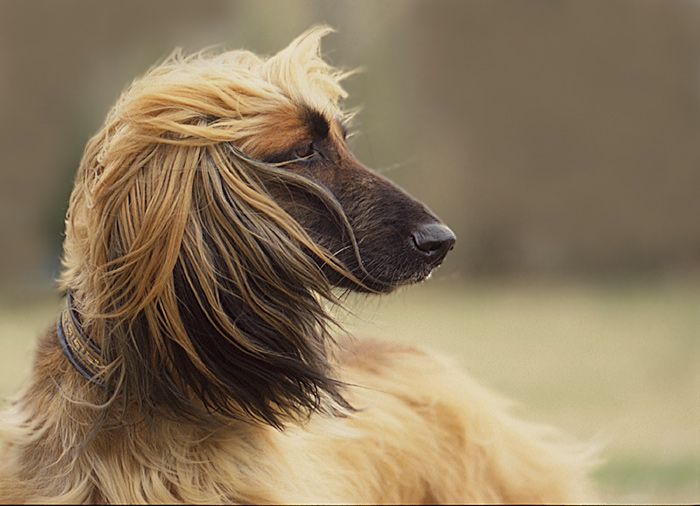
{"x":215,"y":219}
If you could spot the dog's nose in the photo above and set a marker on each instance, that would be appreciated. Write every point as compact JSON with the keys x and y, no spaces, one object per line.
{"x":433,"y":241}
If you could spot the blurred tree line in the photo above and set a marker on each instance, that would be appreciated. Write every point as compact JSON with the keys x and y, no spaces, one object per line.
{"x":553,"y":137}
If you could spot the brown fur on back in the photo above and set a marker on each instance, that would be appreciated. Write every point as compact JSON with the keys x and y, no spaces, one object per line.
{"x":424,"y":433}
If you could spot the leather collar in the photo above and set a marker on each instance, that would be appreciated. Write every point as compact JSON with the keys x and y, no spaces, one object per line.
{"x":80,"y":351}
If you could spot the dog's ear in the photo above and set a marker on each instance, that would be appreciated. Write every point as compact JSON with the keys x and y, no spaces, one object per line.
{"x":209,"y":293}
{"x":254,"y":334}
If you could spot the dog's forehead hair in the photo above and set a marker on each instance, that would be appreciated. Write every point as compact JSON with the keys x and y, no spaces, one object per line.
{"x":294,"y":128}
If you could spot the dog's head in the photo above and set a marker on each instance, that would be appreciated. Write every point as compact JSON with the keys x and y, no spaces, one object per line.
{"x":211,"y":215}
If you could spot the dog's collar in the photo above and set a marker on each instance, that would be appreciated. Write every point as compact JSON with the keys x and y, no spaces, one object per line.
{"x":80,"y":351}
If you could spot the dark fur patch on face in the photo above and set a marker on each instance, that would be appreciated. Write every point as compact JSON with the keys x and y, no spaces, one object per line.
{"x":316,"y":123}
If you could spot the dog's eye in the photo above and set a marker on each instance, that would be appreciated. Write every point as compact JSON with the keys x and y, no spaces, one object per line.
{"x":305,"y":152}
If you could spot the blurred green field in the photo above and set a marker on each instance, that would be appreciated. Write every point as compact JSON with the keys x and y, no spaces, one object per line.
{"x":618,"y":361}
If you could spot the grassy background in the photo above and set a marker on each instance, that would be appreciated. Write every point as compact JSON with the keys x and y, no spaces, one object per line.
{"x":615,"y":360}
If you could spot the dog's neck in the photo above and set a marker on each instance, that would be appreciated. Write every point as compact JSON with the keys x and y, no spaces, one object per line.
{"x":83,"y":354}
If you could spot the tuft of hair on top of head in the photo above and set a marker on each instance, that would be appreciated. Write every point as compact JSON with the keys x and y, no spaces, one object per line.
{"x":201,"y":291}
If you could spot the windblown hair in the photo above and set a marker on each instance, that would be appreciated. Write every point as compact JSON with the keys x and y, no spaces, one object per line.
{"x":197,"y":270}
{"x":215,"y":218}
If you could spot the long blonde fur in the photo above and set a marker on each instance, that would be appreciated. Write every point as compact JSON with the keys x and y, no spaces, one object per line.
{"x":350,"y":422}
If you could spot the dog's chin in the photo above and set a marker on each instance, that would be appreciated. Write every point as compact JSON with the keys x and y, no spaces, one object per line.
{"x":383,"y":283}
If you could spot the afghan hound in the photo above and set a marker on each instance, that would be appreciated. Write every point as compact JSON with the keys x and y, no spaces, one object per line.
{"x":215,"y":220}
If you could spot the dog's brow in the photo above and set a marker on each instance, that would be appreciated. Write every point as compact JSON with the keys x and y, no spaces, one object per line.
{"x":317,"y":123}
